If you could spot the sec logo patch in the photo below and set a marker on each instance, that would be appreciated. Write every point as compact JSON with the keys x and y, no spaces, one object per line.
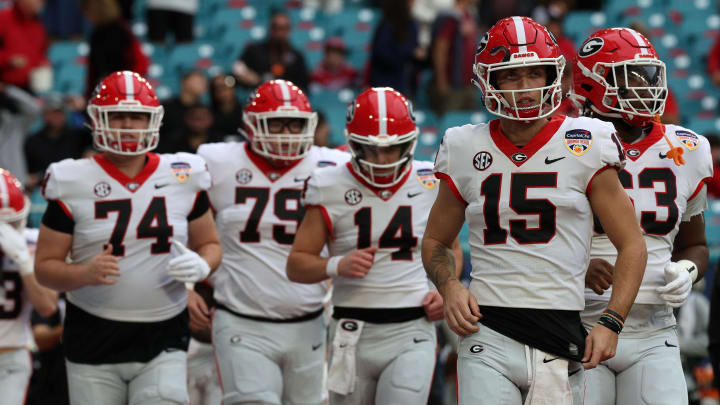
{"x":482,"y":160}
{"x":353,"y":196}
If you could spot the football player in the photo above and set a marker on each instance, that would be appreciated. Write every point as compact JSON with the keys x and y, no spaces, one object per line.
{"x":268,"y":334}
{"x":19,"y":291}
{"x":371,"y":213}
{"x":620,"y":79}
{"x":123,"y":217}
{"x":528,"y":184}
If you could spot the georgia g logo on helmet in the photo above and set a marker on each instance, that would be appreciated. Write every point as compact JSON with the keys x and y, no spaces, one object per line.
{"x":350,"y":113}
{"x":483,"y":43}
{"x":591,"y":47}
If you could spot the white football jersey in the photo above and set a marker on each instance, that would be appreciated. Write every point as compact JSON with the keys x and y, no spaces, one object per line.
{"x":527,"y":208}
{"x":257,"y":211}
{"x":663,"y":194}
{"x":393,"y":220}
{"x":140,"y":217}
{"x":15,"y":306}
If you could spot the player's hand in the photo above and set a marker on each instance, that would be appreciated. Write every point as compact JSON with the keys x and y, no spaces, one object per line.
{"x":101,"y":267}
{"x":199,"y":313}
{"x":357,"y":263}
{"x":599,"y":275}
{"x":433,"y":306}
{"x":189,"y":267}
{"x":14,"y":245}
{"x":678,"y":283}
{"x":460,"y":307}
{"x":600,"y":345}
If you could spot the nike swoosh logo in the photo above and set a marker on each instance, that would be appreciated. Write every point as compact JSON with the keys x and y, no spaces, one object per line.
{"x":668,"y":344}
{"x":572,"y":373}
{"x":662,"y":155}
{"x":301,"y":179}
{"x":411,"y":195}
{"x":416,"y":340}
{"x":317,"y":346}
{"x":157,"y":186}
{"x":549,"y":161}
{"x":549,"y":360}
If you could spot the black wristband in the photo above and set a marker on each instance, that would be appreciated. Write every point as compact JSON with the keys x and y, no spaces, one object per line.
{"x":610,"y":323}
{"x":615,"y":314}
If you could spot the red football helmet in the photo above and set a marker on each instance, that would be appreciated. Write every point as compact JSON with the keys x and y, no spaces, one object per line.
{"x":515,"y":42}
{"x":124,"y":91}
{"x":269,"y":104}
{"x":381,"y":117}
{"x":14,"y":205}
{"x":618,"y":74}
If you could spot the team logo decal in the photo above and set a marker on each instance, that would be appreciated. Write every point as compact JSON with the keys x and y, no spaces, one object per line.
{"x":518,"y":157}
{"x":102,"y":189}
{"x":632,"y":152}
{"x":353,"y":196}
{"x":350,"y":113}
{"x":427,"y":178}
{"x":483,"y":42}
{"x":181,"y":170}
{"x":591,"y":47}
{"x":482,"y":160}
{"x":688,"y":139}
{"x":475,"y":349}
{"x":325,"y":163}
{"x":578,"y":141}
{"x":350,"y":326}
{"x":243,"y":176}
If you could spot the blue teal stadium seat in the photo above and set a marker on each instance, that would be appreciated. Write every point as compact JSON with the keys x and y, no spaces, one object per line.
{"x":578,"y":25}
{"x":70,"y":79}
{"x":712,"y":223}
{"x":185,"y":57}
{"x":65,"y":52}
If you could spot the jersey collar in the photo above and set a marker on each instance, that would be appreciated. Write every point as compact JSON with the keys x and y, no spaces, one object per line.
{"x":131,"y":184}
{"x":523,"y":154}
{"x":382,"y":193}
{"x":635,"y":150}
{"x":271,"y":172}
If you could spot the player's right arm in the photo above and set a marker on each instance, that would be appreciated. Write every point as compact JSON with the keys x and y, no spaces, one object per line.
{"x":304,"y":264}
{"x":614,"y":209}
{"x":43,"y":300}
{"x":52,"y":271}
{"x":446,"y":218}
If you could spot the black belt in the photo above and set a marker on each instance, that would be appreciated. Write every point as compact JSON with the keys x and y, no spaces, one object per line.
{"x":301,"y":318}
{"x":379,"y":315}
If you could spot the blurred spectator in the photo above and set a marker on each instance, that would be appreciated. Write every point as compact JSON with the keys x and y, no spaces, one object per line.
{"x":113,"y":46}
{"x":692,"y":322}
{"x":424,"y":12}
{"x":126,"y":9}
{"x":193,"y":88}
{"x":23,"y":43}
{"x":334,"y":72}
{"x":54,"y":142}
{"x":48,"y":385}
{"x":18,"y":109}
{"x":493,"y":10}
{"x":713,"y":185}
{"x":63,"y":19}
{"x":567,"y":47}
{"x":322,"y":131}
{"x":199,"y":128}
{"x":226,"y":107}
{"x":176,"y":16}
{"x":328,"y":6}
{"x":395,"y":48}
{"x":455,"y":38}
{"x":274,"y":58}
{"x":713,"y":62}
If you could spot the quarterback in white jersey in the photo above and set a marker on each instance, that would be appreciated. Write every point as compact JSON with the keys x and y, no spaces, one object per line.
{"x":19,"y":291}
{"x":268,"y":334}
{"x":528,"y":185}
{"x":669,"y":196}
{"x":117,"y":217}
{"x":371,"y":213}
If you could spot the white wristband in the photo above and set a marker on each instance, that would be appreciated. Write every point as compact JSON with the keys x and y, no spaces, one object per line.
{"x":690,"y":267}
{"x":331,"y":268}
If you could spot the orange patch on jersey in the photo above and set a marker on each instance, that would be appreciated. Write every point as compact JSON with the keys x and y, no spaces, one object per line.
{"x":688,"y":139}
{"x":181,"y":170}
{"x":427,"y":178}
{"x":578,"y":141}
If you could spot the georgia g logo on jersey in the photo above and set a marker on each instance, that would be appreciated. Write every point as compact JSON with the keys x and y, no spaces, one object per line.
{"x":483,"y":42}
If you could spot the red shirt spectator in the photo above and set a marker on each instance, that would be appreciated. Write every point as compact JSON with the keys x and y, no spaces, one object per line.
{"x":334,"y":72}
{"x":713,"y":62}
{"x":23,"y":42}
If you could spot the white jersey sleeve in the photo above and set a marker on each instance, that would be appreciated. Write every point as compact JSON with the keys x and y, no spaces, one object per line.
{"x":444,"y":166}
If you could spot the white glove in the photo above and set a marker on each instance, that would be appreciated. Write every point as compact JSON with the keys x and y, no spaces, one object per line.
{"x":14,"y":245}
{"x":189,"y":267}
{"x":679,"y":277}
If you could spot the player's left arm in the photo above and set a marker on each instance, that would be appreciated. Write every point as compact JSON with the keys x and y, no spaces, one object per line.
{"x":690,"y":244}
{"x":204,"y":240}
